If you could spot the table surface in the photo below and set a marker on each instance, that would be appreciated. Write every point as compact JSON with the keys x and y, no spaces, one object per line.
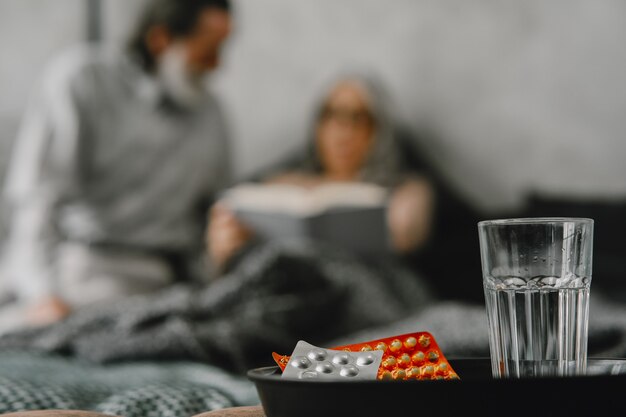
{"x":250,"y":411}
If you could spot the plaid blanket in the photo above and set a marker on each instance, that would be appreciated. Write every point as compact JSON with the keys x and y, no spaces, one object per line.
{"x":38,"y":381}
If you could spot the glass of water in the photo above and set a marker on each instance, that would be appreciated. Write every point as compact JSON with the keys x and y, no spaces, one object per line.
{"x":536,"y":278}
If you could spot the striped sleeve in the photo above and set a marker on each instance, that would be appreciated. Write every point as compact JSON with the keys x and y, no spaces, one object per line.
{"x":41,"y":174}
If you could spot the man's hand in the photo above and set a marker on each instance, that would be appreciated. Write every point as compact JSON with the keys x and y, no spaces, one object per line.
{"x":47,"y":311}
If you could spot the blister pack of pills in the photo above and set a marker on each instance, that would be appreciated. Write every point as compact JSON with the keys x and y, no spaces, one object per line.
{"x":312,"y":362}
{"x":413,"y":356}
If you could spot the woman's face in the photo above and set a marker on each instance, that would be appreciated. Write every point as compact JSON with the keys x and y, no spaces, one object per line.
{"x":345,"y":131}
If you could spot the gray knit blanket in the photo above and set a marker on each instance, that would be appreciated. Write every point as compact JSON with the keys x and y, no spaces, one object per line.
{"x":276,"y":294}
{"x":187,"y":349}
{"x":461,"y":328}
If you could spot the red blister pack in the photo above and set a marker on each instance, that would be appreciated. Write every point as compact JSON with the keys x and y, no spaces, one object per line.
{"x":411,"y":356}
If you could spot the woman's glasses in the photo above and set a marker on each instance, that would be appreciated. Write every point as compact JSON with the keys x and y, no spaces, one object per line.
{"x":355,"y":117}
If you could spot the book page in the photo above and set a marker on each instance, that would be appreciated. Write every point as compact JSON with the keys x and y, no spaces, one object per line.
{"x":274,"y":198}
{"x":348,"y":194}
{"x":303,"y":201}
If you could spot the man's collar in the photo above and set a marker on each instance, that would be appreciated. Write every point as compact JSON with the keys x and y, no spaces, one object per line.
{"x":147,"y":88}
{"x":143,"y":84}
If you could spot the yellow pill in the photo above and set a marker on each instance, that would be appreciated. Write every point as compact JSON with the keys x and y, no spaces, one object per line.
{"x":389,"y":362}
{"x":399,"y":374}
{"x":366,"y":348}
{"x":410,"y":342}
{"x":381,"y":346}
{"x":404,"y":360}
{"x":385,"y":376}
{"x":442,"y":368}
{"x":413,"y":372}
{"x":395,"y":345}
{"x":428,"y":370}
{"x":418,"y":358}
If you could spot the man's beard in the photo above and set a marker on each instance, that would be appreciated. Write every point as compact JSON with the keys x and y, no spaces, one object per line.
{"x":179,"y":84}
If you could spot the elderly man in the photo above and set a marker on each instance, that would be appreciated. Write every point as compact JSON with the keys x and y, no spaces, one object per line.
{"x":116,"y":164}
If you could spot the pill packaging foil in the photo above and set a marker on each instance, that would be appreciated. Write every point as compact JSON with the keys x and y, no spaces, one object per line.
{"x":313,"y":362}
{"x":411,"y":356}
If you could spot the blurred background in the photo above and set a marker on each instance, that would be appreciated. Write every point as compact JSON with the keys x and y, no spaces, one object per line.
{"x":517,"y":95}
{"x":507,"y":98}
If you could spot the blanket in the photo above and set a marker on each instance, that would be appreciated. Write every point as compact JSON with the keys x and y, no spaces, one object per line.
{"x":461,"y":329}
{"x":38,"y":381}
{"x":281,"y":292}
{"x":276,"y":294}
{"x":187,"y":349}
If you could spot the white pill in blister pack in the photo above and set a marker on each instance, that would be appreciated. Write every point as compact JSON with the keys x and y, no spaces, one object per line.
{"x":312,"y":362}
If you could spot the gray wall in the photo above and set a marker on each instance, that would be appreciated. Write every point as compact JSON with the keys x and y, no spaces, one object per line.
{"x":31,"y":32}
{"x":519,"y":95}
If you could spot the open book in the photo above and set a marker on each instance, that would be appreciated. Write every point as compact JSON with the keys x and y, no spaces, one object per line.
{"x":349,"y":215}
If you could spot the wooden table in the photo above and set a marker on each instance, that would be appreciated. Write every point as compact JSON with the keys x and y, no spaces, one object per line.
{"x":252,"y":411}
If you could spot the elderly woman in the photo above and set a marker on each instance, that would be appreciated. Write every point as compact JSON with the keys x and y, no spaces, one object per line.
{"x":352,"y":139}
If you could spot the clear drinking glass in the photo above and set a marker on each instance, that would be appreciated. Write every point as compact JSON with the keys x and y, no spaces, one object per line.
{"x":536,"y":278}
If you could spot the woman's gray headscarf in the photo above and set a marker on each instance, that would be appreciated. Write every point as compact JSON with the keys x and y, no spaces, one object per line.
{"x":383,"y":165}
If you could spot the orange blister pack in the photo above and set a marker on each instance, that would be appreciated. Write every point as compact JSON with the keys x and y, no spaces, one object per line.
{"x":411,"y":356}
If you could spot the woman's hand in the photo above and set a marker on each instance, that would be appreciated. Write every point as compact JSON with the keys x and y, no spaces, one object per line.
{"x":410,"y":215}
{"x":225,"y":235}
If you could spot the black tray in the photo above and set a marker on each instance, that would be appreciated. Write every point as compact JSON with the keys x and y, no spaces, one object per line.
{"x":602,"y":392}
